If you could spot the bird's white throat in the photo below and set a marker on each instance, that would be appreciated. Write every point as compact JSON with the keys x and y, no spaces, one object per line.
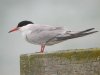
{"x":25,"y":29}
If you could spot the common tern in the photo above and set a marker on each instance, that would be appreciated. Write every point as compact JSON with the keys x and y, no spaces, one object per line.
{"x":46,"y":34}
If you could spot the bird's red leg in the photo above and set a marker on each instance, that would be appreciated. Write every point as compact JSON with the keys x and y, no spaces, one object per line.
{"x":42,"y":48}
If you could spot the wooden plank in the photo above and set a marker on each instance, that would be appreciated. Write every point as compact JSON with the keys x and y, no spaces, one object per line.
{"x":69,"y":62}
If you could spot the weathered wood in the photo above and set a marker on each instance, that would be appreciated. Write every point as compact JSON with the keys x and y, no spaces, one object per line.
{"x":73,"y":62}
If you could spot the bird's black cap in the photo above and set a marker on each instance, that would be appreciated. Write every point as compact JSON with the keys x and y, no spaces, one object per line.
{"x":23,"y":23}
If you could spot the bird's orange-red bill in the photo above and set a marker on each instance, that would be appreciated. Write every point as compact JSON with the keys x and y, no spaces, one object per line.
{"x":15,"y":29}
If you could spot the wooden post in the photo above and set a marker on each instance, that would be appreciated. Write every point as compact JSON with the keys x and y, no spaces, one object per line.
{"x":72,"y":62}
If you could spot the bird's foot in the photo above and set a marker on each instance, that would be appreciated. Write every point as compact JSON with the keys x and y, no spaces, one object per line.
{"x":39,"y":52}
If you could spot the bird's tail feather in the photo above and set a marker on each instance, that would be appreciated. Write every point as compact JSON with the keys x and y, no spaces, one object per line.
{"x":86,"y":30}
{"x":85,"y":33}
{"x":79,"y":34}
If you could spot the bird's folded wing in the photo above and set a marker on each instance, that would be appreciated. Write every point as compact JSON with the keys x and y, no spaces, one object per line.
{"x":45,"y":32}
{"x":38,"y":28}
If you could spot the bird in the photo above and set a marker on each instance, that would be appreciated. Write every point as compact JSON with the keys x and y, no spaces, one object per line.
{"x":47,"y":35}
